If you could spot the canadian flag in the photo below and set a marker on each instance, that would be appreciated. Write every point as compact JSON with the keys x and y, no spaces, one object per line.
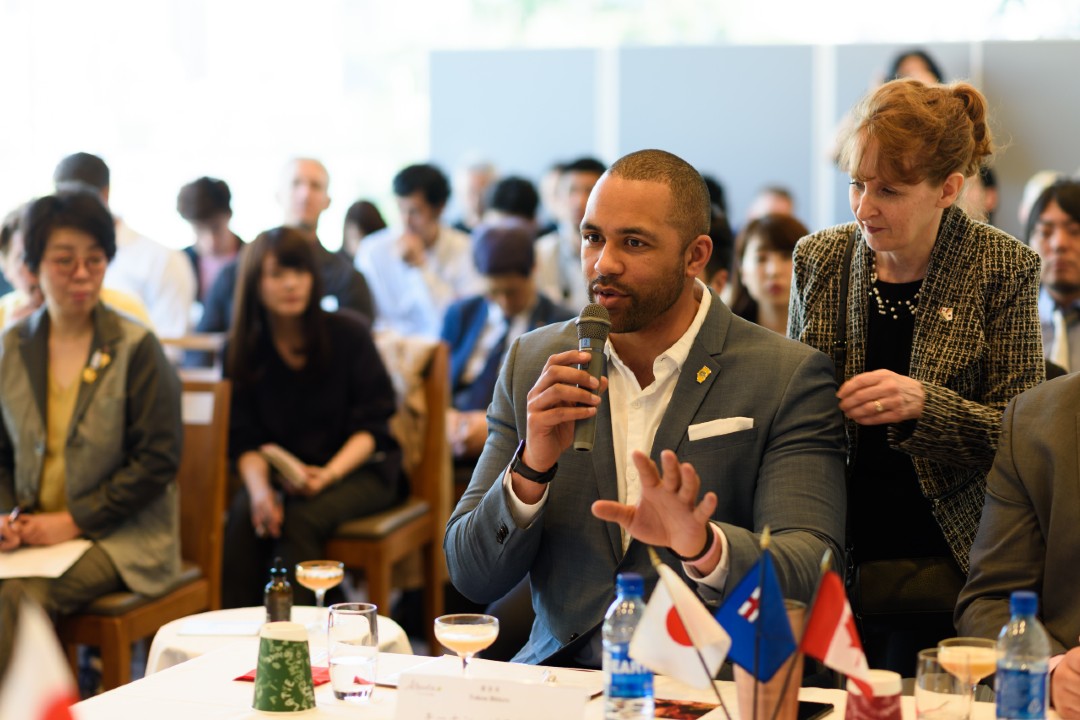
{"x":831,"y":636}
{"x":38,"y":684}
{"x":674,"y":623}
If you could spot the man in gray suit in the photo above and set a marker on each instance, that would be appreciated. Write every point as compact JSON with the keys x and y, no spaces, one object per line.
{"x":1029,"y":537}
{"x":751,"y":414}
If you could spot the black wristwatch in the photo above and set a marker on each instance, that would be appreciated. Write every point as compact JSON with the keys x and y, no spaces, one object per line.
{"x":518,"y":465}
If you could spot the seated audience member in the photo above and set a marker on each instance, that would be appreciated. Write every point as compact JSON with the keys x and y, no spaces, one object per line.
{"x":312,"y":383}
{"x":717,"y":194}
{"x":512,"y":199}
{"x":417,"y":271}
{"x":917,"y":65}
{"x":159,"y":276}
{"x":471,"y":185}
{"x":1028,"y":536}
{"x":26,"y":297}
{"x":96,"y":445}
{"x":206,"y":204}
{"x":771,"y":200}
{"x":361,"y":219}
{"x":1053,"y":230}
{"x":676,"y":358}
{"x":303,"y":196}
{"x":980,"y":198}
{"x":719,"y":269}
{"x":1033,"y":188}
{"x":558,"y":254}
{"x":763,"y":250}
{"x":479,"y":329}
{"x":549,"y":181}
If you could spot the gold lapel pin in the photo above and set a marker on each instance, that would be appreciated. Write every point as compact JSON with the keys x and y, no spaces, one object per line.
{"x":703,"y":373}
{"x":946,"y":313}
{"x":89,"y":375}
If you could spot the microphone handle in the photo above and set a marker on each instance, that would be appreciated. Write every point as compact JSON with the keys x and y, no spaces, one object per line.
{"x":585,"y":430}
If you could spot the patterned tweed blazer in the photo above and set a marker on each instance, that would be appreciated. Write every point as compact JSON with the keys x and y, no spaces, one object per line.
{"x":977,"y":344}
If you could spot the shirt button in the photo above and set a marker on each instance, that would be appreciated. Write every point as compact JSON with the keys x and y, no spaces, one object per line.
{"x":632,"y":475}
{"x":636,"y":404}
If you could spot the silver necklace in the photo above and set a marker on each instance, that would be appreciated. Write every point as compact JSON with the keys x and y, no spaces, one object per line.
{"x":889,"y":307}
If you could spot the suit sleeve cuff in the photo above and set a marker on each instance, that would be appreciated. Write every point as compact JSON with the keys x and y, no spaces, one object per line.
{"x":522,"y":512}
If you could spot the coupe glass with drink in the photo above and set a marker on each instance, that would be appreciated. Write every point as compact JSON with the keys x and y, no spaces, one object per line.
{"x":352,"y":637}
{"x":466,"y":634}
{"x":968,"y":659}
{"x":319,"y":576}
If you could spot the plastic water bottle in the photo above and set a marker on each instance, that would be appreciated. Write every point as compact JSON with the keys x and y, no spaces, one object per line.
{"x":1023,"y":656}
{"x":628,"y":686}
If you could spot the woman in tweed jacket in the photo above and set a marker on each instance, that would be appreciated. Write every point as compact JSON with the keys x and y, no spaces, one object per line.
{"x":942,"y":328}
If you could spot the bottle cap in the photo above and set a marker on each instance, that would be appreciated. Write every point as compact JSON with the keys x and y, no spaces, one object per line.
{"x":1023,"y":602}
{"x":629,"y":584}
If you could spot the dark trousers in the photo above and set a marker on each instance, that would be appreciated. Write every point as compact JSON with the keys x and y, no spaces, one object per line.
{"x":309,"y":522}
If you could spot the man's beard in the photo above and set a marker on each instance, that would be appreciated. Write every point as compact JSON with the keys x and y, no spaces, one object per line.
{"x":643,"y":307}
{"x":1062,"y":287}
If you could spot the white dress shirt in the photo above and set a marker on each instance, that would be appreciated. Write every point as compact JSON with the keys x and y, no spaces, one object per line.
{"x":412,"y":300}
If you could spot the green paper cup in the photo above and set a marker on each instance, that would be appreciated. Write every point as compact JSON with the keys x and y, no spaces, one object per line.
{"x":283,"y":676}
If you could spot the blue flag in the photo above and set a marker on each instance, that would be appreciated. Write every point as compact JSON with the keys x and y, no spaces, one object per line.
{"x":754,"y":616}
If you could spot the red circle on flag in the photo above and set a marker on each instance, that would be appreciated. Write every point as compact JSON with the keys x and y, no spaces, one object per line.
{"x":676,"y":629}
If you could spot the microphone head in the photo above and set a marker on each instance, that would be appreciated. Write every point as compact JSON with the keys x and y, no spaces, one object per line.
{"x":594,"y":322}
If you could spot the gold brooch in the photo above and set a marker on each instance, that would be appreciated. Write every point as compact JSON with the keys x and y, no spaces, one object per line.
{"x":945,"y":313}
{"x":703,"y":373}
{"x":98,"y":361}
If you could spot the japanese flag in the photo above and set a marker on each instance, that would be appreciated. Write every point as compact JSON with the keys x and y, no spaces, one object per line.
{"x":38,"y":683}
{"x":674,"y":623}
{"x":831,"y":636}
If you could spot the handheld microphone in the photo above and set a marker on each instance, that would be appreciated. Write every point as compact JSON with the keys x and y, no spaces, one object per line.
{"x":593,"y":326}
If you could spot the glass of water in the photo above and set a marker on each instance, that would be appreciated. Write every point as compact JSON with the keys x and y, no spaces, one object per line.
{"x":939,"y":694}
{"x":353,"y":650}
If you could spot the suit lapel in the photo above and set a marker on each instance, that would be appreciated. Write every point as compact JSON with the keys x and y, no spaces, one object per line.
{"x":34,"y":347}
{"x":607,"y":483}
{"x":107,"y":334}
{"x":696,"y":379}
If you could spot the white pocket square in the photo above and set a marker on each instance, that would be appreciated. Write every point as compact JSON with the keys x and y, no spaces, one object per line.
{"x":720,"y":426}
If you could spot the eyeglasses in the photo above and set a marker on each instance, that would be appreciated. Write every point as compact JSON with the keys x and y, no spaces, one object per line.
{"x":68,"y":264}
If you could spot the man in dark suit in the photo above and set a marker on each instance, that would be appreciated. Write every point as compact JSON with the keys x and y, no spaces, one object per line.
{"x":752,"y":416}
{"x":480,"y":328}
{"x":1028,"y":537}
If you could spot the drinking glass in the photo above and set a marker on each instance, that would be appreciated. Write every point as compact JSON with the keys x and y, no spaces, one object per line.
{"x":320,"y":576}
{"x":466,"y":634}
{"x":939,"y":695}
{"x":352,"y":636}
{"x":969,"y":659}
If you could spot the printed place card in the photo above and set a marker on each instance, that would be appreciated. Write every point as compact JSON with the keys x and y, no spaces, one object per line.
{"x":444,"y":697}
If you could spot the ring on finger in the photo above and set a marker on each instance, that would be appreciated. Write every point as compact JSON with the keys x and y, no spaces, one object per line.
{"x":878,"y":406}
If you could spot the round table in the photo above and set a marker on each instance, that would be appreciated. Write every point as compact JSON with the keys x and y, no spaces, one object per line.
{"x":196,"y":635}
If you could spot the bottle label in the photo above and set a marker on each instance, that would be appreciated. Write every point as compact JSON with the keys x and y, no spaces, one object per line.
{"x":278,"y":606}
{"x":626,"y":678}
{"x":1021,"y":693}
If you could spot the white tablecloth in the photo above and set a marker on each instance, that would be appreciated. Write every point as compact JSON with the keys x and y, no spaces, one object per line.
{"x":204,"y":689}
{"x":196,"y":635}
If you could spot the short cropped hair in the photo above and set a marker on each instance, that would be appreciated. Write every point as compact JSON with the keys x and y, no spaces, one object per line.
{"x":583,"y":165}
{"x":923,"y":132}
{"x":84,"y":168}
{"x":513,"y":196}
{"x":77,"y":210}
{"x":204,"y":198}
{"x":426,"y":179}
{"x":691,"y":208}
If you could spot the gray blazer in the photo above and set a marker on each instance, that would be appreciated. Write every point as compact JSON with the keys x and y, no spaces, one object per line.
{"x":786,"y":472}
{"x":977,"y":345}
{"x":123,"y":446}
{"x":1029,"y":537}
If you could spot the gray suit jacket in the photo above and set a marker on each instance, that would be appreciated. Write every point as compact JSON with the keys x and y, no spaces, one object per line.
{"x":786,"y":472}
{"x":123,"y":445}
{"x":1029,"y":537}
